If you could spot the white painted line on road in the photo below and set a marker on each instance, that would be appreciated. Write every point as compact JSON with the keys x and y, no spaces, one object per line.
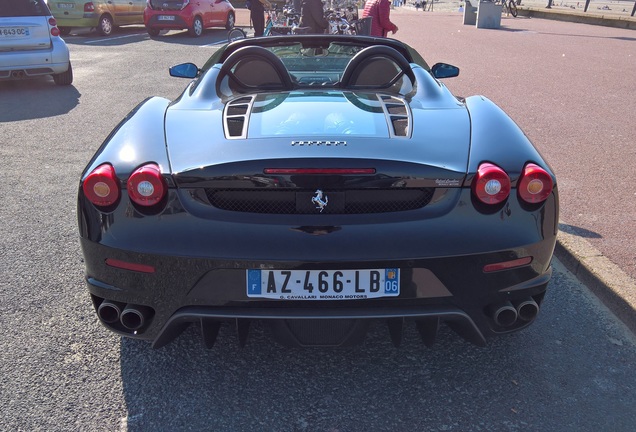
{"x":114,"y":38}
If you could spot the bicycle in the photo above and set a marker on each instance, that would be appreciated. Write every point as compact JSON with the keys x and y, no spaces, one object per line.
{"x":510,"y":8}
{"x":272,"y":19}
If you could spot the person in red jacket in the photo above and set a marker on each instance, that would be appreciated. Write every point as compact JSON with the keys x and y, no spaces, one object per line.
{"x":380,"y":11}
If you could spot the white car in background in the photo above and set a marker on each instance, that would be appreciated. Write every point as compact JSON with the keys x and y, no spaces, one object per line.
{"x":30,"y":43}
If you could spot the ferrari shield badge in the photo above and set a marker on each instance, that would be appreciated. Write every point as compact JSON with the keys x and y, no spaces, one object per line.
{"x":319,"y":201}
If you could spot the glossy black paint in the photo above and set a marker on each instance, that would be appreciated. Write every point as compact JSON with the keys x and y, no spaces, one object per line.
{"x":199,"y":253}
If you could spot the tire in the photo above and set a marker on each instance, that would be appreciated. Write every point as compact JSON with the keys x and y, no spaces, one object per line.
{"x":65,"y":31}
{"x":230,"y":22}
{"x":197,"y":27}
{"x":105,"y":25}
{"x":236,"y":34}
{"x":153,"y":32}
{"x":64,"y":78}
{"x":512,"y":7}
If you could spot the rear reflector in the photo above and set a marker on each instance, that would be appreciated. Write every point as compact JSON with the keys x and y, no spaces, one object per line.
{"x":129,"y":266}
{"x":319,"y":171}
{"x":507,"y":265}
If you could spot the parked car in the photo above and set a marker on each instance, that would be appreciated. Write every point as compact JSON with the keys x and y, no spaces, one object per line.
{"x":102,"y":15}
{"x":317,"y":182}
{"x":195,"y":16}
{"x":30,"y":43}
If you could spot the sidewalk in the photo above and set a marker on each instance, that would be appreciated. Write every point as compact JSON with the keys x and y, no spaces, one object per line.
{"x":615,"y":15}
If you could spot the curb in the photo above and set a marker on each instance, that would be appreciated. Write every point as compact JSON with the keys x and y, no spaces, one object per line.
{"x":619,"y":21}
{"x":615,"y":289}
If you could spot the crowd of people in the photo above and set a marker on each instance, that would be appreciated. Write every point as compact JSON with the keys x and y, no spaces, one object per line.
{"x":312,"y":16}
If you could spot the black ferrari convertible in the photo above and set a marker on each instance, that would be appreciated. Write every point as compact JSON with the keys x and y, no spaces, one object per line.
{"x":317,"y":183}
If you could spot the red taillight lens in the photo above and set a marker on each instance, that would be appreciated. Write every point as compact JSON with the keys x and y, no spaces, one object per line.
{"x":535,"y":185}
{"x":54,"y":30}
{"x":146,"y":186}
{"x":101,"y":186}
{"x":491,"y":184}
{"x":89,"y":7}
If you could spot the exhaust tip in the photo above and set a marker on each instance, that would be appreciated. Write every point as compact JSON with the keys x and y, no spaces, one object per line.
{"x":527,"y":310}
{"x":109,"y":311}
{"x":134,"y":317}
{"x":504,"y":314}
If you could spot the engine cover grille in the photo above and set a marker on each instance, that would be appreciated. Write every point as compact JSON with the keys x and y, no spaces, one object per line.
{"x":299,"y":201}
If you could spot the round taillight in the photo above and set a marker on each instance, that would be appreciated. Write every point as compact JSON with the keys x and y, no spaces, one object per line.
{"x":146,"y":186}
{"x":101,"y":186}
{"x":491,"y":184}
{"x":535,"y":185}
{"x":52,"y":22}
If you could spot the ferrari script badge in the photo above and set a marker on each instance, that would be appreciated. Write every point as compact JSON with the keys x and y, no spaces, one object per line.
{"x":319,"y":201}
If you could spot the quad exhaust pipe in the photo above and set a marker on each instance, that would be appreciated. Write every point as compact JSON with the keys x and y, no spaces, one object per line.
{"x":507,"y":313}
{"x":504,"y":314}
{"x":110,"y":311}
{"x":132,"y":317}
{"x":527,"y":309}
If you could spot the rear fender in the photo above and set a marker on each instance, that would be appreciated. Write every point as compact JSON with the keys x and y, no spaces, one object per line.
{"x":139,"y":138}
{"x":496,"y":138}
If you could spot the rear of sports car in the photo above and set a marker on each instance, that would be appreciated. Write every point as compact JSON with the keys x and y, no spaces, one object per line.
{"x":383,"y":209}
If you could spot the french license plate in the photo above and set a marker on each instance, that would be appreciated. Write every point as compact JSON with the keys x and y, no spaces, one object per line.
{"x":66,"y":6}
{"x":14,"y":32}
{"x":166,"y":18}
{"x":323,"y":284}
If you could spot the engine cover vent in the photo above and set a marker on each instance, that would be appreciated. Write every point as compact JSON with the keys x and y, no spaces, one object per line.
{"x":398,"y":116}
{"x":235,"y":117}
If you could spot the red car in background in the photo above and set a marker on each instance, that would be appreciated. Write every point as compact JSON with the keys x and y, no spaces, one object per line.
{"x":193,"y":15}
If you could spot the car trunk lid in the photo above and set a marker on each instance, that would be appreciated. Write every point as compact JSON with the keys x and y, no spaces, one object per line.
{"x":348,"y":140}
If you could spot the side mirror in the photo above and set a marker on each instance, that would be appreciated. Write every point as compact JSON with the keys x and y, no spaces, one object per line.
{"x":184,"y":70}
{"x":443,"y":70}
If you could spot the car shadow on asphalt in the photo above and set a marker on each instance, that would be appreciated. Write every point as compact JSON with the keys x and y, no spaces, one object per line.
{"x":35,"y":98}
{"x":578,"y":231}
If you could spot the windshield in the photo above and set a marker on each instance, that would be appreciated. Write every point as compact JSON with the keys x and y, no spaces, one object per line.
{"x":20,"y":8}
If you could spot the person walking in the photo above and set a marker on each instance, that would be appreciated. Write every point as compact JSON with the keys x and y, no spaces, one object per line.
{"x":312,"y":15}
{"x":257,"y":15}
{"x":379,"y":10}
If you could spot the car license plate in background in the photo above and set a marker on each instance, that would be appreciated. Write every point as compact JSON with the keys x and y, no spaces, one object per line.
{"x":66,"y":6}
{"x":14,"y":32}
{"x":166,"y":18}
{"x":323,"y":284}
